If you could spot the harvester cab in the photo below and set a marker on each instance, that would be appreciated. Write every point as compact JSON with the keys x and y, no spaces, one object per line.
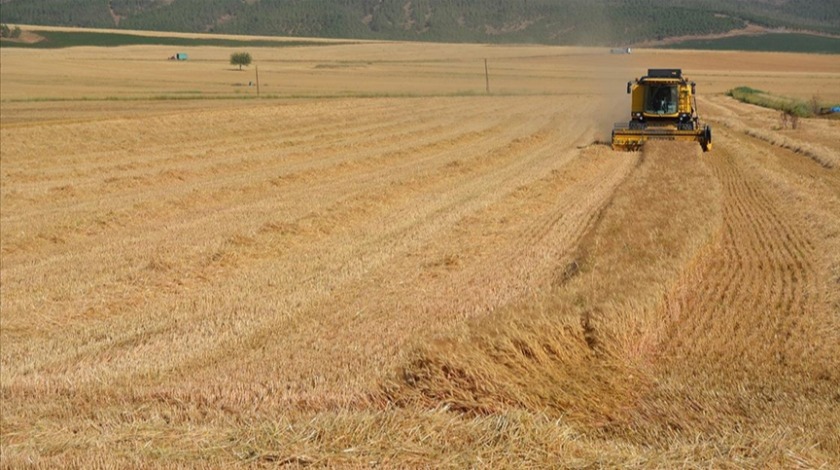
{"x":663,"y":106}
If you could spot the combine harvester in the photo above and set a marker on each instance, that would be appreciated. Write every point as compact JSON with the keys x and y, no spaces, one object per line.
{"x":663,"y":107}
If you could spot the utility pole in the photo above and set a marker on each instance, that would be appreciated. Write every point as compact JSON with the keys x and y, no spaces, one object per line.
{"x":486,"y":77}
{"x":257,"y":69}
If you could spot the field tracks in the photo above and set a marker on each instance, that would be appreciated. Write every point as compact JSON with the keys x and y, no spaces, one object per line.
{"x":816,"y":138}
{"x":391,"y":201}
{"x":566,"y":339}
{"x":765,"y":263}
{"x":759,"y":303}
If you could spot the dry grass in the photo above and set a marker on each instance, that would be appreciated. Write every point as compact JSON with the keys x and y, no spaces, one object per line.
{"x":818,"y":139}
{"x":415,"y":279}
{"x":576,"y":346}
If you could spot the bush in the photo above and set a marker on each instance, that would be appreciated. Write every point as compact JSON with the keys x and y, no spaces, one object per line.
{"x":790,"y":106}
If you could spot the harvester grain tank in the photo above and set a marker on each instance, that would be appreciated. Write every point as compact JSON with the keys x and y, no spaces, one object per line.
{"x":663,"y":107}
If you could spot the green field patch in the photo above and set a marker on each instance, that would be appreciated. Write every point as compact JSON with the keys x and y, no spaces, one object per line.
{"x":785,"y":104}
{"x":770,"y":42}
{"x":61,"y":39}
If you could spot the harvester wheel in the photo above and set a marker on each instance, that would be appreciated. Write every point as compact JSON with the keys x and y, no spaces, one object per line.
{"x":707,"y":139}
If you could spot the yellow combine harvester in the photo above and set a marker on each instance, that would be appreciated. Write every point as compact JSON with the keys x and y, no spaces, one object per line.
{"x":663,"y":107}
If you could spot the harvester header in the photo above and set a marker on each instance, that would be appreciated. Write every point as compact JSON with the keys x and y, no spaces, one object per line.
{"x":663,"y":106}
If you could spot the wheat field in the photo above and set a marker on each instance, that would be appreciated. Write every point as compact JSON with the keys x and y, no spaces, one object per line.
{"x":378,"y":263}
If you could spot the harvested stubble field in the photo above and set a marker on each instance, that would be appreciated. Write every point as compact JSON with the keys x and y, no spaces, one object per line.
{"x":380,"y":265}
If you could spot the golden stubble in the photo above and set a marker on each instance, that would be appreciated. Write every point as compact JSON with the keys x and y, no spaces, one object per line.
{"x":381,"y":265}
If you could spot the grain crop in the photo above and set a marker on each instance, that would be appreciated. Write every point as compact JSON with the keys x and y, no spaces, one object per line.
{"x":377,"y":262}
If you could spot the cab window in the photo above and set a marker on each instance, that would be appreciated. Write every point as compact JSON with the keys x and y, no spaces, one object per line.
{"x":661,"y":99}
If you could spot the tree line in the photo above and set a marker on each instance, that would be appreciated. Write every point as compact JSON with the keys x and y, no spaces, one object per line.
{"x":596,"y":22}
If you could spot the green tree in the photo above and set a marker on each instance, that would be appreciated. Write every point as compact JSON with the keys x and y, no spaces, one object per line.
{"x":16,"y":32}
{"x":5,"y":32}
{"x":240,"y":59}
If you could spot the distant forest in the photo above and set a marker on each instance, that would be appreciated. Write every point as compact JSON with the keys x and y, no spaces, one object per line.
{"x":585,"y":22}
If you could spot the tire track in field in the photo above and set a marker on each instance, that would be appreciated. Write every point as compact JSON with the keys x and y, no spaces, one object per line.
{"x":570,"y":351}
{"x":757,"y":289}
{"x":752,"y":332}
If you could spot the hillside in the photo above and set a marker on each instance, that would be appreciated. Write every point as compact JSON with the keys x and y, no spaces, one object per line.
{"x":604,"y":22}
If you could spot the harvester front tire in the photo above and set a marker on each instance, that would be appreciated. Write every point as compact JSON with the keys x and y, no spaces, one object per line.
{"x":707,"y":139}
